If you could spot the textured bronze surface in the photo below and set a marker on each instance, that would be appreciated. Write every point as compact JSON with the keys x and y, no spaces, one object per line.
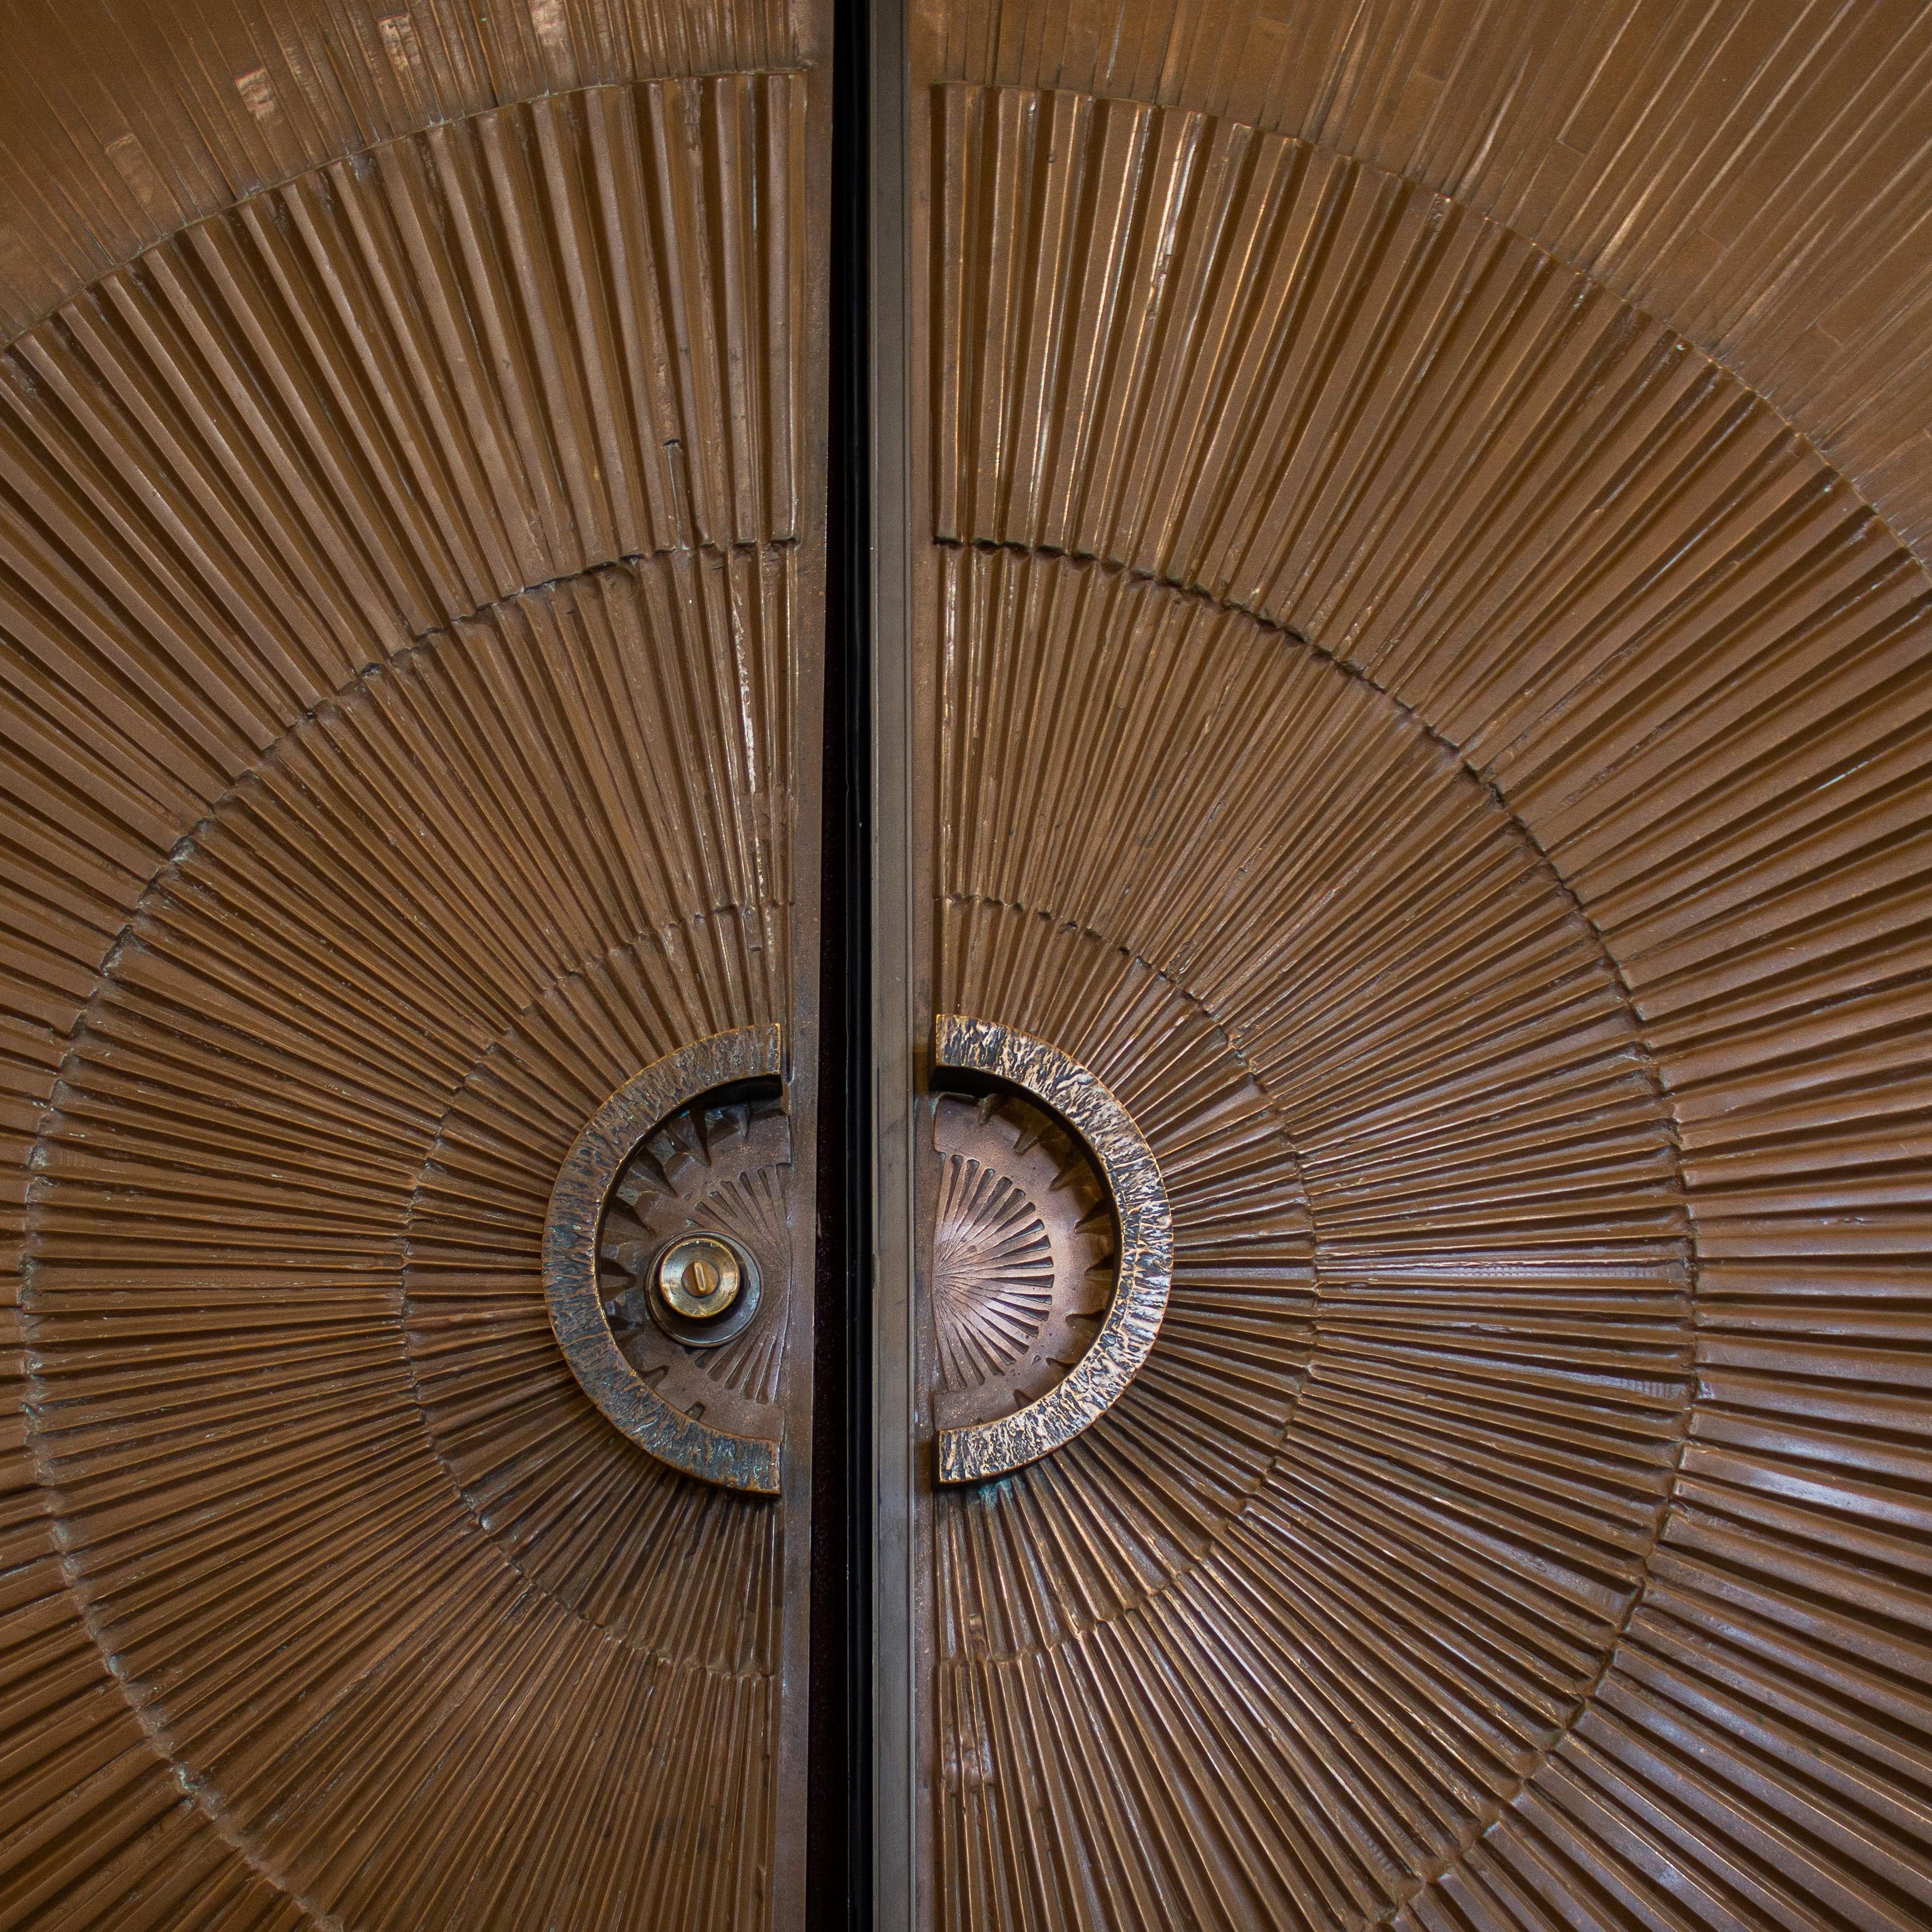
{"x":1452,"y":756}
{"x":1096,"y":1381}
{"x":1024,"y":1255}
{"x":1422,"y":684}
{"x":409,"y":580}
{"x":715,"y":1187}
{"x":573,"y":1233}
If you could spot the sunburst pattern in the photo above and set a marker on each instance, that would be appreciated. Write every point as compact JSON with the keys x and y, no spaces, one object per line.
{"x":266,"y":1139}
{"x":1462,"y":1450}
{"x":1024,"y":1262}
{"x":403,"y":610}
{"x":1604,"y":582}
{"x":577,"y":1509}
{"x":992,"y":1273}
{"x":1557,"y":896}
{"x":1125,"y":1507}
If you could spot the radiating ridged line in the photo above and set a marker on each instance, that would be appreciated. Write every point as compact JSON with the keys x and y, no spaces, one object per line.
{"x":1617,"y":594}
{"x":573,"y":1505}
{"x":124,"y":127}
{"x":1464,"y":1441}
{"x":992,"y":1284}
{"x":242,"y":475}
{"x":474,"y":865}
{"x":361,"y":406}
{"x":269,"y":453}
{"x":1756,"y":175}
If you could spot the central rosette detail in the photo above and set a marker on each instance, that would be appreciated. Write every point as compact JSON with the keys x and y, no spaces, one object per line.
{"x":1024,"y":1251}
{"x":692,"y":1257}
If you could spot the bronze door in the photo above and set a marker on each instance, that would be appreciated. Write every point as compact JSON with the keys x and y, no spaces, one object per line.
{"x":412,"y":614}
{"x":1393,"y":680}
{"x":1420,"y":727}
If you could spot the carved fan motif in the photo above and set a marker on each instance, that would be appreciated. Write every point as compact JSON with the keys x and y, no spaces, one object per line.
{"x":1022,"y":1248}
{"x":992,"y":1273}
{"x":380,"y":548}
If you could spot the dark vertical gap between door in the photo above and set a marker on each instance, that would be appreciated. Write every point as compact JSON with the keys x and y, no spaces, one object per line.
{"x":839,"y":1801}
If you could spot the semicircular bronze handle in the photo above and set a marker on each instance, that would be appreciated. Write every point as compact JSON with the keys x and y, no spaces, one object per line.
{"x":1077,"y":1096}
{"x":577,"y":1205}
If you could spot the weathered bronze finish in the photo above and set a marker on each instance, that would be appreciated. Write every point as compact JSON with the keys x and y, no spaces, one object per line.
{"x":706,"y":1202}
{"x":573,"y":1232}
{"x":1097,"y":1378}
{"x":411,"y":512}
{"x":1416,"y":691}
{"x":1417,"y":676}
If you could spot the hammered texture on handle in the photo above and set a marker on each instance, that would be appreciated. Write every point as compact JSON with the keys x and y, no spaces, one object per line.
{"x":1127,"y":1166}
{"x":583,"y":1185}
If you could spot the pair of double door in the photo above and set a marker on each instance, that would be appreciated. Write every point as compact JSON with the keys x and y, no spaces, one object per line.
{"x":1314,"y":993}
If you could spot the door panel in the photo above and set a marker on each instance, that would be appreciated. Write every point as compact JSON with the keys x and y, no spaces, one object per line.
{"x":1381,"y":697}
{"x":1376,"y":1510}
{"x":412,"y":596}
{"x":1401,"y":739}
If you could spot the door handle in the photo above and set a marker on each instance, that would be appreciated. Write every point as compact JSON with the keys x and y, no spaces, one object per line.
{"x":698,"y":1284}
{"x":970,"y":1053}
